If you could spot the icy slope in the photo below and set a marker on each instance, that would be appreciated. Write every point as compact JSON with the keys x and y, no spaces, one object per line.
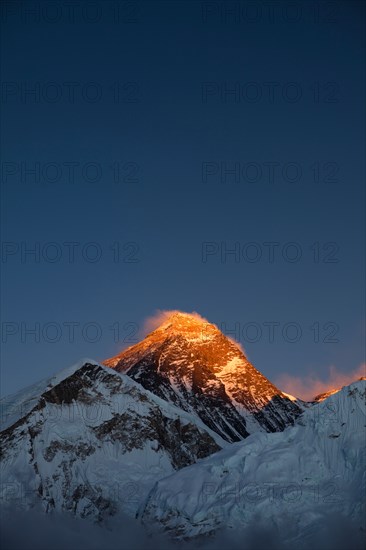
{"x":291,"y":481}
{"x":94,"y":442}
{"x":13,"y":407}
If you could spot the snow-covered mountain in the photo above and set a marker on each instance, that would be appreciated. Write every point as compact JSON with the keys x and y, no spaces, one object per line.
{"x":182,"y":433}
{"x":76,"y":440}
{"x":92,"y":441}
{"x":191,"y":364}
{"x":291,"y":482}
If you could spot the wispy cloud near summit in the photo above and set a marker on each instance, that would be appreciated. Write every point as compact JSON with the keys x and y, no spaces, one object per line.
{"x":160,"y":316}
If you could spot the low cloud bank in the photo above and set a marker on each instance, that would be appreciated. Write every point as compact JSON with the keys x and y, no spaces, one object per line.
{"x":38,"y":531}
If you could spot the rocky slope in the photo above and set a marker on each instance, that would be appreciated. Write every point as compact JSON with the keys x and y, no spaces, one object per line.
{"x":94,"y":442}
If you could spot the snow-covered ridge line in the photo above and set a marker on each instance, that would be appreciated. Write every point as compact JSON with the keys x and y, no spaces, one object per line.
{"x":23,"y":402}
{"x":321,"y":396}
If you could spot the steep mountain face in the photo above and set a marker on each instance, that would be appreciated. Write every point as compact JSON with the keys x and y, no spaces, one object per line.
{"x":297,"y":482}
{"x":165,"y":441}
{"x":94,"y":442}
{"x":190,"y":363}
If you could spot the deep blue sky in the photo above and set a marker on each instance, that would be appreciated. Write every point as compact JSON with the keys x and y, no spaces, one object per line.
{"x":167,"y":123}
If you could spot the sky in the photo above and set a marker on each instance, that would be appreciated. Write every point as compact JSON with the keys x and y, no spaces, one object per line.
{"x":198,"y":156}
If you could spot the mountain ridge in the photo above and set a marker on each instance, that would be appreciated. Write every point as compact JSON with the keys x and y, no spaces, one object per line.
{"x":93,"y":432}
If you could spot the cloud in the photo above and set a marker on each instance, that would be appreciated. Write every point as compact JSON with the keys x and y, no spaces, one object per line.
{"x":40,"y":531}
{"x":309,"y":386}
{"x":160,"y":316}
{"x":31,"y":530}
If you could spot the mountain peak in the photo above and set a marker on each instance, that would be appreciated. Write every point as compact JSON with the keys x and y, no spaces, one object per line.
{"x":179,"y":317}
{"x":187,"y":317}
{"x":181,"y":322}
{"x":191,"y":326}
{"x":188,"y":361}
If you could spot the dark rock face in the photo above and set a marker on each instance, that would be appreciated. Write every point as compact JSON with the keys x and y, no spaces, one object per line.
{"x":81,"y":386}
{"x":183,"y":442}
{"x":210,"y":402}
{"x":277,"y":414}
{"x":191,"y":364}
